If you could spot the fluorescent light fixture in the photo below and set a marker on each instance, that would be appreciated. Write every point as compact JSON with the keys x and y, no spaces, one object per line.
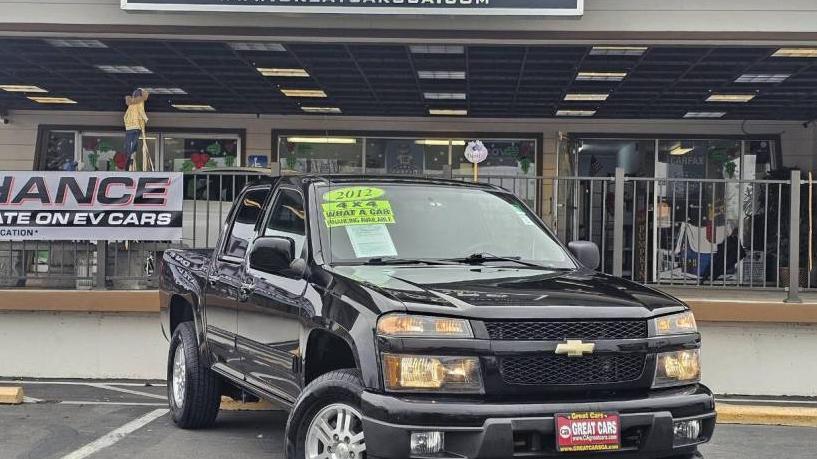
{"x":440,"y":75}
{"x":447,"y":112}
{"x":303,"y":92}
{"x":72,"y":43}
{"x":705,"y":115}
{"x":795,"y":52}
{"x":575,"y":112}
{"x":439,"y":142}
{"x":601,"y":76}
{"x":123,"y":69}
{"x":338,"y":140}
{"x":274,"y":72}
{"x":444,"y":95}
{"x":165,"y":90}
{"x":586,"y":97}
{"x":437,"y":49}
{"x":21,"y":88}
{"x":52,"y":100}
{"x":763,"y":78}
{"x":194,"y":107}
{"x":678,"y":151}
{"x":256,"y":46}
{"x":733,"y":98}
{"x":618,"y":50}
{"x":321,"y":109}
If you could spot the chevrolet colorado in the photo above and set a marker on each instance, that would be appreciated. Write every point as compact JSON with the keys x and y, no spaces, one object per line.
{"x":423,"y":318}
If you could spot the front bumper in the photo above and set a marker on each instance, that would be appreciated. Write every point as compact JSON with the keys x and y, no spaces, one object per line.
{"x":499,"y":430}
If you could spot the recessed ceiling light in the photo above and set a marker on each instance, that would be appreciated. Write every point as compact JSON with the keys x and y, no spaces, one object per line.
{"x":165,"y":90}
{"x":795,"y":52}
{"x":586,"y":97}
{"x":762,"y":78}
{"x":303,"y":92}
{"x":679,"y":151}
{"x":340,"y":140}
{"x":447,"y":112}
{"x":275,"y":72}
{"x":705,"y":115}
{"x":123,"y":69}
{"x":194,"y":107}
{"x":444,"y":95}
{"x":730,"y":97}
{"x":440,"y":75}
{"x":437,"y":49}
{"x":21,"y":88}
{"x":256,"y":46}
{"x":575,"y":112}
{"x":601,"y":76}
{"x":321,"y":109}
{"x":72,"y":43}
{"x":439,"y":142}
{"x":52,"y":100}
{"x":618,"y":50}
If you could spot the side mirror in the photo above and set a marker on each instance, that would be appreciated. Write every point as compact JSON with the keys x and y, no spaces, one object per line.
{"x":272,"y":254}
{"x":587,"y":252}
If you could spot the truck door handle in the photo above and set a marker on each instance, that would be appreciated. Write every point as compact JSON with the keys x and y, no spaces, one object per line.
{"x":246,"y":290}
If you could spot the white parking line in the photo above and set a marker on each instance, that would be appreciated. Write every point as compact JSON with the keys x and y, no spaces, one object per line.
{"x":94,"y":402}
{"x":115,"y":435}
{"x":27,"y":399}
{"x":765,"y":401}
{"x":82,"y":383}
{"x":128,"y":391}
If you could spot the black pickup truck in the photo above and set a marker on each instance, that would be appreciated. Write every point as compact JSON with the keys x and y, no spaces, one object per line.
{"x":421,"y":318}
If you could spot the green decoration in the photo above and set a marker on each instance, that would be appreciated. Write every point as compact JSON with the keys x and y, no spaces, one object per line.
{"x":92,"y":160}
{"x":291,"y":161}
{"x":103,"y":146}
{"x":524,"y":164}
{"x":211,"y":163}
{"x":229,"y":161}
{"x":214,"y":149}
{"x":187,"y":166}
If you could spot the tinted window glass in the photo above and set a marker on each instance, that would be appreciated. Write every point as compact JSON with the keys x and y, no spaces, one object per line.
{"x":250,"y":208}
{"x":287,"y":218}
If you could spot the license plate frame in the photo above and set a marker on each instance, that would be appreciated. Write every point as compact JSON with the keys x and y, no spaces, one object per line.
{"x":587,"y":431}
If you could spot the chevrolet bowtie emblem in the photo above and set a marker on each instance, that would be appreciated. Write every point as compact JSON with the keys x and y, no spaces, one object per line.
{"x":575,"y":348}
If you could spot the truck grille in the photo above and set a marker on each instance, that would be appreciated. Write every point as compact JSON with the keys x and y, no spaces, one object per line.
{"x":552,"y":369}
{"x":559,"y":330}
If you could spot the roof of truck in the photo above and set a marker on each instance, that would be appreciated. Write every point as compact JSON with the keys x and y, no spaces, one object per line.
{"x":313,"y":178}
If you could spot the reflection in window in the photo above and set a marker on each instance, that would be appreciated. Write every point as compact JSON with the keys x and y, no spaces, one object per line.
{"x":288,"y":219}
{"x":321,"y":155}
{"x":60,"y":151}
{"x":250,"y":209}
{"x":601,"y":157}
{"x":189,"y":153}
{"x":505,"y":158}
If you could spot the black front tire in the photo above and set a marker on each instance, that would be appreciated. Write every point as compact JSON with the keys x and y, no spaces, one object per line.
{"x":199,"y":404}
{"x":339,"y":386}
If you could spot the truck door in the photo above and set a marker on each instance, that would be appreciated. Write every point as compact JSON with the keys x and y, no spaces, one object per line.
{"x":269,"y":321}
{"x":225,"y":281}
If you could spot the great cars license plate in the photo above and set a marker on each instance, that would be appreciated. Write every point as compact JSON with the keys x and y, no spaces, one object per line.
{"x":588,"y":431}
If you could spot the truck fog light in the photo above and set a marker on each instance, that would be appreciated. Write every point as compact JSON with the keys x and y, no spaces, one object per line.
{"x":425,"y":443}
{"x":686,"y":432}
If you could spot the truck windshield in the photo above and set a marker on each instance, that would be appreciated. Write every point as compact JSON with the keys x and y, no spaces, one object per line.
{"x":411,"y":223}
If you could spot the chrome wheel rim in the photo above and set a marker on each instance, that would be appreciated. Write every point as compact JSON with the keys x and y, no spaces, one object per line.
{"x":179,"y":376}
{"x":336,"y":432}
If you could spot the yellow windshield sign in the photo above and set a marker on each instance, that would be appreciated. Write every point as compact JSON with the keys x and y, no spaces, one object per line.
{"x":345,"y":213}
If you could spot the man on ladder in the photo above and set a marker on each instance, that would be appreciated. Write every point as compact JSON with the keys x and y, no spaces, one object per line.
{"x":135,"y":119}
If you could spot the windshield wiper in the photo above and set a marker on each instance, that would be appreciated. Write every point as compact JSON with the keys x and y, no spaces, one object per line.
{"x":381,"y":261}
{"x":482,"y":257}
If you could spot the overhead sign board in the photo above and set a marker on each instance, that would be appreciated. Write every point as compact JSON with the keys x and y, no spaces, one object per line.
{"x":440,"y":7}
{"x":90,"y":206}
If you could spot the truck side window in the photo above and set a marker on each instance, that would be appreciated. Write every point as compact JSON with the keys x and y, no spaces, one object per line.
{"x":249,"y":210}
{"x":288,"y":218}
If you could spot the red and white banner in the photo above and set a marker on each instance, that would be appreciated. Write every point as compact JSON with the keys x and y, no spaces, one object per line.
{"x":145,"y":206}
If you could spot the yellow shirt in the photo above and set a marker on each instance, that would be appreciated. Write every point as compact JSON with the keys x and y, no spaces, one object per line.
{"x":135,"y":117}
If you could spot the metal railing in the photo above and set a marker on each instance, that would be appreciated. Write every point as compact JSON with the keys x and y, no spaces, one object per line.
{"x":666,"y":231}
{"x":683,"y":231}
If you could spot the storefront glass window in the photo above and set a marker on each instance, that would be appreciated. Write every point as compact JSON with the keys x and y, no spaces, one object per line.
{"x":505,"y":158}
{"x":60,"y":151}
{"x":321,"y":155}
{"x":103,"y":153}
{"x":185,"y":153}
{"x":600,"y":157}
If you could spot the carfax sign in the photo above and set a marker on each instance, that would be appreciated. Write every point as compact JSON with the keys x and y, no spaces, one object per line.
{"x":460,"y":7}
{"x":143,"y":206}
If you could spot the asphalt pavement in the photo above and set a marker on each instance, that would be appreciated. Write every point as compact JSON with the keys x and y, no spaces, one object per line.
{"x":78,"y":419}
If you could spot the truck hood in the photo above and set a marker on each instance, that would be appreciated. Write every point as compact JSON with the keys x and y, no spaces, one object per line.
{"x":510,"y":292}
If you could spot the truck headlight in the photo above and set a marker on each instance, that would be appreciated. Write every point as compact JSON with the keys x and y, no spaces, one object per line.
{"x":414,"y":326}
{"x":677,"y":368}
{"x":410,"y":373}
{"x":676,"y":324}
